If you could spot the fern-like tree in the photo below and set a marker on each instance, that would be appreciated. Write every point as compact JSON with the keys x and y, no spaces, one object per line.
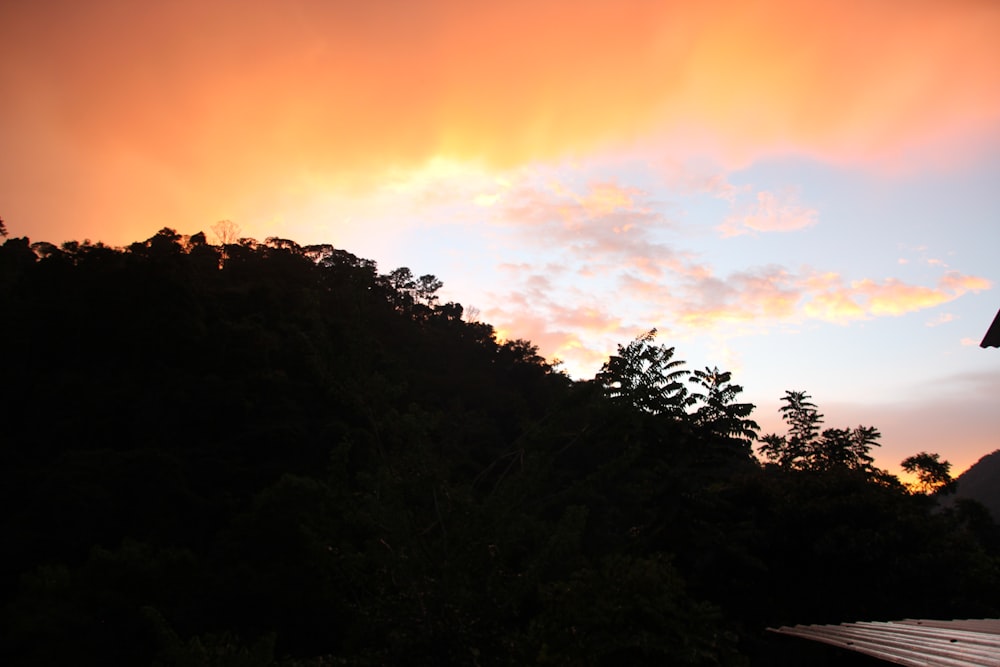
{"x":719,"y":410}
{"x":845,"y":448}
{"x":646,"y":376}
{"x":805,"y":448}
{"x":803,"y":419}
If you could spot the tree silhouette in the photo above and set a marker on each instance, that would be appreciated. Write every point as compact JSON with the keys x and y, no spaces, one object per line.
{"x":805,"y":448}
{"x":933,"y":475}
{"x":719,"y":410}
{"x":793,"y":450}
{"x":646,"y":376}
{"x":226,"y":231}
{"x":426,"y":289}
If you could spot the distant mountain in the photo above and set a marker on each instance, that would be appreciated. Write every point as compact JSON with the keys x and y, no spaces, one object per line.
{"x":982,"y":482}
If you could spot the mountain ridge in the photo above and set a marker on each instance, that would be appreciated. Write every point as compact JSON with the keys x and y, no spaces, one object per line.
{"x":981,"y":482}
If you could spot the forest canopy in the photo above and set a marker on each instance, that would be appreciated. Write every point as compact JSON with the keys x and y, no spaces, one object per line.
{"x":266,"y":453}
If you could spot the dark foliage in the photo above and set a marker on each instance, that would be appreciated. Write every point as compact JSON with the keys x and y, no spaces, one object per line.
{"x":263,"y":453}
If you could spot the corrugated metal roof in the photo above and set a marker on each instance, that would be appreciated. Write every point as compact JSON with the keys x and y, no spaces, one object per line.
{"x":917,"y":643}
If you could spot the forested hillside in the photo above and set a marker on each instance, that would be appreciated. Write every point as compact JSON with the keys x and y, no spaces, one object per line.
{"x":261,"y":453}
{"x":981,"y":483}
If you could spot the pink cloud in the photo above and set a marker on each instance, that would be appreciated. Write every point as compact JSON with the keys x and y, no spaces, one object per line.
{"x":684,"y":303}
{"x":774,"y":294}
{"x":602,"y":228}
{"x":689,"y":179}
{"x":769,"y":293}
{"x":605,"y":251}
{"x":961,"y":284}
{"x":563,"y":332}
{"x":770,"y":214}
{"x":943,"y":318}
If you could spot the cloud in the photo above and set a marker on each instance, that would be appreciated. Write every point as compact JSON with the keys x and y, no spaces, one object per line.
{"x":836,"y":301}
{"x":563,"y":322}
{"x":835,"y":305}
{"x":768,"y":293}
{"x":893,"y":297}
{"x":603,"y":244}
{"x":752,"y":301}
{"x":189,"y":109}
{"x":919,"y":255}
{"x":960,"y":284}
{"x":607,"y":246}
{"x":770,"y":214}
{"x":600,"y":226}
{"x":691,"y":179}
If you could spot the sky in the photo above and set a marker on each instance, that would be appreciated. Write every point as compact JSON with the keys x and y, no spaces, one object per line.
{"x":805,"y":194}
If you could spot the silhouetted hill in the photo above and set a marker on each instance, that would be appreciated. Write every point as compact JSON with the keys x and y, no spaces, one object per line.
{"x":981,"y":482}
{"x":270,"y":454}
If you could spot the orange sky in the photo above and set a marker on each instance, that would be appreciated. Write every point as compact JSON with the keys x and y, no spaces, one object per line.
{"x":143,"y":113}
{"x":354,"y":123}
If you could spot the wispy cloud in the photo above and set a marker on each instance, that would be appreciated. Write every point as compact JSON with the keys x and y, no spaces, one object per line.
{"x":919,"y":255}
{"x":766,"y":293}
{"x":610,"y":252}
{"x":562,"y":321}
{"x":761,"y":299}
{"x":771,"y":213}
{"x":841,"y":302}
{"x":599,"y":228}
{"x":943,"y":318}
{"x":686,"y":178}
{"x":960,"y":284}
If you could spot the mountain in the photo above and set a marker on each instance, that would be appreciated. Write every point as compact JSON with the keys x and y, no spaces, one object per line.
{"x":982,"y":482}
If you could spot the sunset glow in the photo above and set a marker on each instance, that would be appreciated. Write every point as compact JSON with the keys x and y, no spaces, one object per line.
{"x":802,"y":193}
